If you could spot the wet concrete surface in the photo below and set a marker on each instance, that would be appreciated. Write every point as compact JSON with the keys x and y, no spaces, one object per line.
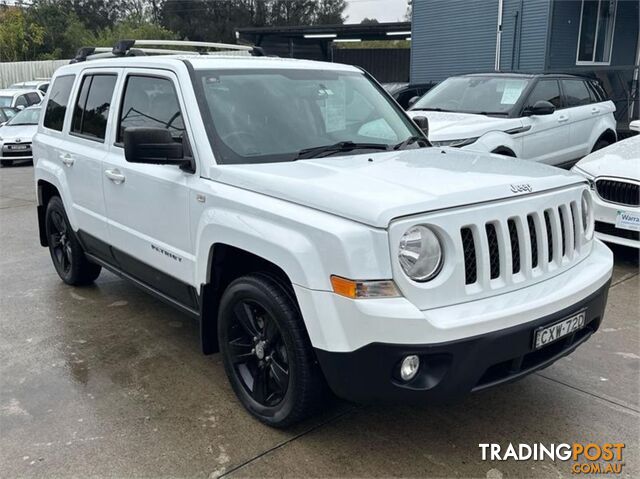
{"x":107,"y":381}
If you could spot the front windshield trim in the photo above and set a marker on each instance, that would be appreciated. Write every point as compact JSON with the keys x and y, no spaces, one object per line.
{"x":223,"y":153}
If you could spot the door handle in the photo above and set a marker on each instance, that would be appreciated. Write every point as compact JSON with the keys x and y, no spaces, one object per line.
{"x":114,"y":175}
{"x":562,"y":119}
{"x":67,"y":159}
{"x":595,"y":111}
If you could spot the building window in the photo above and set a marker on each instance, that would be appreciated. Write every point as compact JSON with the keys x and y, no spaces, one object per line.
{"x":597,"y":22}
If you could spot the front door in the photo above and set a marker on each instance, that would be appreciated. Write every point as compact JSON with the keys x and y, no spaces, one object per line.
{"x":147,"y":205}
{"x":547,"y":139}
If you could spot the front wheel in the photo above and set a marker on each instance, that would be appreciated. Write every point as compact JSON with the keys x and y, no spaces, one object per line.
{"x":266,"y":351}
{"x":66,"y":253}
{"x":600,"y":144}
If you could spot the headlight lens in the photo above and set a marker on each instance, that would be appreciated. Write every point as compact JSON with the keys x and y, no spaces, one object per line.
{"x":420,"y":253}
{"x":455,"y":143}
{"x":587,"y":214}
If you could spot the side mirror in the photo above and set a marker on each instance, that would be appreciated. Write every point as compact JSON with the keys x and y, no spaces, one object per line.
{"x":152,"y":146}
{"x":20,"y":107}
{"x":412,"y":100}
{"x":541,"y":107}
{"x":423,"y":124}
{"x":635,"y":125}
{"x":2,"y":124}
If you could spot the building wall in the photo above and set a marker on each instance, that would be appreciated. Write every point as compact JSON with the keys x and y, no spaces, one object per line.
{"x":524,"y":34}
{"x":450,"y":37}
{"x":565,"y":26}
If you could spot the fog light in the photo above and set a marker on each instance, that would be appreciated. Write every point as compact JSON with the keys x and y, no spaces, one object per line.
{"x":409,"y":367}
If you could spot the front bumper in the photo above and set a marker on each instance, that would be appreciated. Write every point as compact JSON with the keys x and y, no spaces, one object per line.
{"x":452,"y":369}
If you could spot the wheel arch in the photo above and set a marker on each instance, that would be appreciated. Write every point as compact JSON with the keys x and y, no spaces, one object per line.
{"x":505,"y":151}
{"x":608,"y":135}
{"x":225,"y":264}
{"x":46,"y":191}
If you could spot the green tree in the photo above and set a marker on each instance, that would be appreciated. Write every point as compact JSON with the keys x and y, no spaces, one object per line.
{"x":19,"y":37}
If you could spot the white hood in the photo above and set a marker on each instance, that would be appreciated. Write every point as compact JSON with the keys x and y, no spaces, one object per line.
{"x":10,"y":133}
{"x":456,"y":126}
{"x":376,"y":188}
{"x":622,"y":160}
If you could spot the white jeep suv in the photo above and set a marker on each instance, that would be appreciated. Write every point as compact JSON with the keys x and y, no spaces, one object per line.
{"x":550,"y":118}
{"x":297,"y":212}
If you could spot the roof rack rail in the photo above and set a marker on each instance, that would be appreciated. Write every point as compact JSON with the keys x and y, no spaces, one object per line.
{"x":126,"y":48}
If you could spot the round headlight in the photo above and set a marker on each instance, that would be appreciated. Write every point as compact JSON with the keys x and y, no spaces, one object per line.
{"x":587,"y":214}
{"x":420,"y":253}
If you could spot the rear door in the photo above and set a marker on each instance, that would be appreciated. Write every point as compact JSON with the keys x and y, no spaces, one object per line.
{"x":547,"y":137}
{"x":147,"y":204}
{"x":584,"y":115}
{"x":84,"y":149}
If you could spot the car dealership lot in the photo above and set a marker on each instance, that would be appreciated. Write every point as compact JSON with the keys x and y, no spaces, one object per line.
{"x":108,"y":381}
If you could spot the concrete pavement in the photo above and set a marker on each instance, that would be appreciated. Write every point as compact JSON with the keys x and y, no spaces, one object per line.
{"x":107,"y":381}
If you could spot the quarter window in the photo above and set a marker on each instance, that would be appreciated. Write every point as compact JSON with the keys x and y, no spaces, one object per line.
{"x":597,"y":21}
{"x":92,"y":108}
{"x":576,"y":93}
{"x":57,"y":104}
{"x":545,"y":90}
{"x":150,"y":102}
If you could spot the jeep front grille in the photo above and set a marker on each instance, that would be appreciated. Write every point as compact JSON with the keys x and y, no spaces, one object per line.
{"x":619,"y":191}
{"x":506,"y":241}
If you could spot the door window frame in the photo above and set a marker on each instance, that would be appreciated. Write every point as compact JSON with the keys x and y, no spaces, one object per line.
{"x":595,"y":40}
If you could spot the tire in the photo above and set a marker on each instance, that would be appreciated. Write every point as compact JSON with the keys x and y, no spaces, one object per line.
{"x":266,"y":352}
{"x":600,"y":144}
{"x":6,"y":163}
{"x":69,"y":260}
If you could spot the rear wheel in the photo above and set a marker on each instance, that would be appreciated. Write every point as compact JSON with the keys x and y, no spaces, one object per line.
{"x":66,"y":253}
{"x":266,"y":352}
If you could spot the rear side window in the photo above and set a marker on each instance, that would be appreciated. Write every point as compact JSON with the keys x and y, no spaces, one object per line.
{"x":150,"y":102}
{"x":576,"y":93}
{"x":57,"y":104}
{"x":33,"y":98}
{"x":92,"y":107}
{"x":545,"y":90}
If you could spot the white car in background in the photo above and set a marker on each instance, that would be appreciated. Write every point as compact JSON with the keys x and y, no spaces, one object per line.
{"x":553,"y":119}
{"x":16,"y":136}
{"x":614,"y":173}
{"x":41,"y":85}
{"x":20,"y":98}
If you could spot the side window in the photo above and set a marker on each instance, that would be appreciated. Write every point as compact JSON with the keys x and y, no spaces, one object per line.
{"x":597,"y":93}
{"x":576,"y":93}
{"x":22,"y":101}
{"x":92,"y":108}
{"x":545,"y":90}
{"x":150,"y":102}
{"x":57,"y":104}
{"x":33,"y":98}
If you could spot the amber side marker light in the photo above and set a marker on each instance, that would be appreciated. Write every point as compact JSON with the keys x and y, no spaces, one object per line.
{"x":349,"y":288}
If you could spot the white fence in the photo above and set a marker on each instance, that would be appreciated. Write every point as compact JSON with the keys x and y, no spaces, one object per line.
{"x":13,"y":72}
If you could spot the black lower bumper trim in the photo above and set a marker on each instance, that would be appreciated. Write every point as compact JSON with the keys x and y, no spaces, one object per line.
{"x":450,"y":370}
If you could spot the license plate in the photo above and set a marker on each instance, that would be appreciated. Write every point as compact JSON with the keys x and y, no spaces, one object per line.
{"x":549,"y":334}
{"x":628,"y":220}
{"x":19,"y":147}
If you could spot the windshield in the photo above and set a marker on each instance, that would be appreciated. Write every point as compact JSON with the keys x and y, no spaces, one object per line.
{"x":474,"y":94}
{"x":26,"y":117}
{"x":5,"y":100}
{"x":259,"y":116}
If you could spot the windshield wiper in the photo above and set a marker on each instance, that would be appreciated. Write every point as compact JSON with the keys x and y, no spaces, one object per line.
{"x":341,"y":146}
{"x":428,"y":109}
{"x":409,"y":141}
